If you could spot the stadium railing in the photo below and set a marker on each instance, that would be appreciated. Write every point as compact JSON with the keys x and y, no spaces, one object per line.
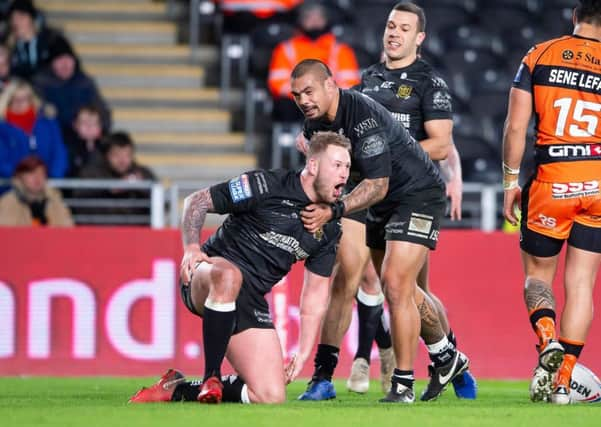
{"x":159,"y":205}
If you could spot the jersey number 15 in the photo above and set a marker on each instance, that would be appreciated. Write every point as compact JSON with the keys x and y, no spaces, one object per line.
{"x":578,"y":116}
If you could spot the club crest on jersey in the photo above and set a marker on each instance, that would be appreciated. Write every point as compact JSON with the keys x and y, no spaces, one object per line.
{"x":240,"y":188}
{"x":318,"y":235}
{"x":567,"y":55}
{"x":404,"y":91}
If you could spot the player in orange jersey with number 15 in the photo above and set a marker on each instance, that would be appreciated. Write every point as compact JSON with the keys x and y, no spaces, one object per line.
{"x":559,"y":82}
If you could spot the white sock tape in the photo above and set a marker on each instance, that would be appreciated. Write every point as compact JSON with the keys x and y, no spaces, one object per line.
{"x":370,"y":300}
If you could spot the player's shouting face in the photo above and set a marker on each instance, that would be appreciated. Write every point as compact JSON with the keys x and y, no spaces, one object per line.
{"x":332,"y":171}
{"x":402,"y":35}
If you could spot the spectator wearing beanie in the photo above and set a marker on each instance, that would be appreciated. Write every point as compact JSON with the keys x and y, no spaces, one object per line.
{"x":32,"y":202}
{"x":65,"y":85}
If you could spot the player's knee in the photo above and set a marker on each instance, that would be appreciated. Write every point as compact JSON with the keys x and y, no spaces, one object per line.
{"x":273,"y":394}
{"x":397,"y":294}
{"x":226,"y":278}
{"x":343,"y":289}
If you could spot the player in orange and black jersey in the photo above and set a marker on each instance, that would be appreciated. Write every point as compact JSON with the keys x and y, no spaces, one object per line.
{"x":559,"y":82}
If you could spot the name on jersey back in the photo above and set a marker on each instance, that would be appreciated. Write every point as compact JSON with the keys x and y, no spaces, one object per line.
{"x":577,"y":79}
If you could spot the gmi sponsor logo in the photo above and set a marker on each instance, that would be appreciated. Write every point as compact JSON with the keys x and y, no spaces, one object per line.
{"x":575,"y":150}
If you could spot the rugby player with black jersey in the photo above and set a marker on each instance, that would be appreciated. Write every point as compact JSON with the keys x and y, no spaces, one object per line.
{"x":419,"y":99}
{"x":392,"y":176}
{"x":225,"y":280}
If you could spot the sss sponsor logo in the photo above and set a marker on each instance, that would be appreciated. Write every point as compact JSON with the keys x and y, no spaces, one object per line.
{"x":567,"y":190}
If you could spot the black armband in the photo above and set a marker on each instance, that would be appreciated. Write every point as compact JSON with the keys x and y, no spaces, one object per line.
{"x":337,"y":209}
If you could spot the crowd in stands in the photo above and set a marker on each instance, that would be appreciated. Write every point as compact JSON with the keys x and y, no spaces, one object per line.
{"x":52,"y":109}
{"x":476,"y":45}
{"x":54,"y":122}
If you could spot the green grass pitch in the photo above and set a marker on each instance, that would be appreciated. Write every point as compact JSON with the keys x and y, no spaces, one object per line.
{"x":88,"y":402}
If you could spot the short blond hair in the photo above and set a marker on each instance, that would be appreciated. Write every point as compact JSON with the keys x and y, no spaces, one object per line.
{"x":320,"y":141}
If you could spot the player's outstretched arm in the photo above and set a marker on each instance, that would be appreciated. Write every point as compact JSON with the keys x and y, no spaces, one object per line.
{"x":196,"y":206}
{"x":313,"y":305}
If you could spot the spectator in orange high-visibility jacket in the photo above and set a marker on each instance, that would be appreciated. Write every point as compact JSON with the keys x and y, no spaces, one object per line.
{"x":314,"y":40}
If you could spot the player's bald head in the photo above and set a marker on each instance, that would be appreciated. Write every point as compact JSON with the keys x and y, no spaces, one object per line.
{"x":315,"y":67}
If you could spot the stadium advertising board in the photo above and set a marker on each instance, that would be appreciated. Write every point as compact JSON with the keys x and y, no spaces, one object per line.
{"x":105,"y":301}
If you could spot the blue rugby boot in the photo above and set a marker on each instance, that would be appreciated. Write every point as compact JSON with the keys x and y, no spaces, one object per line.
{"x":465,"y":385}
{"x":319,"y":389}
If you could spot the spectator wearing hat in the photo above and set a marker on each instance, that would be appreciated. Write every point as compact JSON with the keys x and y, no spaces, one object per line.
{"x":29,"y":40}
{"x":65,"y":85}
{"x":27,"y":127}
{"x":31,"y":202}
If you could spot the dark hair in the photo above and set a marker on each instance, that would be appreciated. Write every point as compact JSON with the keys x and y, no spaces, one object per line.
{"x":320,"y":141}
{"x":311,"y":65}
{"x":407,"y":6}
{"x":23,"y":6}
{"x":29,"y":164}
{"x":589,"y":12}
{"x":89,"y":108}
{"x":116,"y":139}
{"x":59,"y":46}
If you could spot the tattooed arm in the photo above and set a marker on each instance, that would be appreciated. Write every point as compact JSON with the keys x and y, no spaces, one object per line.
{"x":196,"y":206}
{"x":367,"y":193}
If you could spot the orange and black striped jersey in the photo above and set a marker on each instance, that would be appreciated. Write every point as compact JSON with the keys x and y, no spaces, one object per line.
{"x":564,"y":77}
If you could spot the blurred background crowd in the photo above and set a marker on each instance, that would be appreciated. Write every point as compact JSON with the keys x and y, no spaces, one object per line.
{"x":198,"y":91}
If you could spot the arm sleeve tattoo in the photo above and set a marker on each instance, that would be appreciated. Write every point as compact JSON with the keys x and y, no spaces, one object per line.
{"x":196,"y":206}
{"x":367,"y":193}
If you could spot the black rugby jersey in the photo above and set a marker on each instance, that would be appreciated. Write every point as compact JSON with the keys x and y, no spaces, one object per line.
{"x":380,"y":146}
{"x":413,"y":94}
{"x":264,"y":235}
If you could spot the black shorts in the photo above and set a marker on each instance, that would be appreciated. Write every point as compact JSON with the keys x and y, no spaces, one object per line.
{"x":415,"y":218}
{"x":252,"y":310}
{"x":358,"y":216}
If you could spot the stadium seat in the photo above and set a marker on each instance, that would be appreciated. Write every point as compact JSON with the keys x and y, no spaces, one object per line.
{"x":471,"y":37}
{"x":356,"y":39}
{"x":257,"y":99}
{"x":464,"y":64}
{"x":505,"y":17}
{"x":557,"y":16}
{"x":444,"y":15}
{"x":479,"y":160}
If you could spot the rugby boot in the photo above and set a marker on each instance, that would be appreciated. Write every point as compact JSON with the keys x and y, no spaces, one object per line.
{"x":319,"y":389}
{"x":541,"y":385}
{"x":387,"y":365}
{"x":561,"y":386}
{"x":211,"y":391}
{"x":551,"y":355}
{"x":161,"y":391}
{"x":399,"y":393}
{"x":465,"y":385}
{"x":440,"y":377}
{"x":358,"y":381}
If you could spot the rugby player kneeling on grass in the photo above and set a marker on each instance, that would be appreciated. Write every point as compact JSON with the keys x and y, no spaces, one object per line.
{"x":225,"y":280}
